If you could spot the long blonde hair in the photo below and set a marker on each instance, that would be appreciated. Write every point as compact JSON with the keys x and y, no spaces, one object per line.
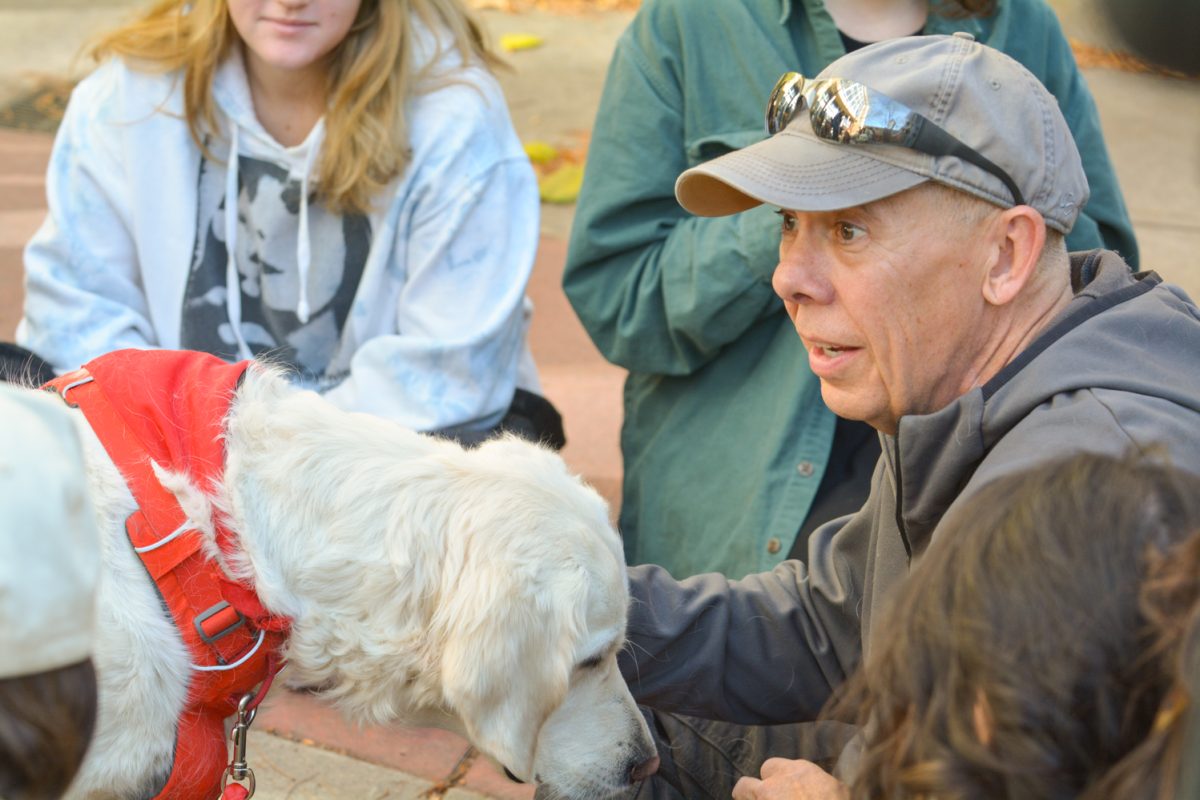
{"x":371,"y":76}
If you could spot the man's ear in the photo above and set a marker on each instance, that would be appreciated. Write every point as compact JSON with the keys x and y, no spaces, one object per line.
{"x":1019,"y":234}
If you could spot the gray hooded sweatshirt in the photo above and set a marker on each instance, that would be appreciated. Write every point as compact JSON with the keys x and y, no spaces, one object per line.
{"x":1119,"y":368}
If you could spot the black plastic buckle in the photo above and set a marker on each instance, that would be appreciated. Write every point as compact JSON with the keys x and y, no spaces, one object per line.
{"x":230,"y":625}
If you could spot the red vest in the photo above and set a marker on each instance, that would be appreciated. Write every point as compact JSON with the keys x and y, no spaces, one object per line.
{"x":169,"y":407}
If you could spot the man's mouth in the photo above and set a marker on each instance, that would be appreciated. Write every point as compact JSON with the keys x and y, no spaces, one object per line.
{"x":830,"y":360}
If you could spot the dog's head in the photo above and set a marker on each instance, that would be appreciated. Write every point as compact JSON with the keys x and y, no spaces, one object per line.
{"x":532,"y":624}
{"x":484,"y":584}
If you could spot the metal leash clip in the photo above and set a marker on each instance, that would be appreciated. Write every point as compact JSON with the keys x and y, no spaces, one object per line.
{"x":237,"y":770}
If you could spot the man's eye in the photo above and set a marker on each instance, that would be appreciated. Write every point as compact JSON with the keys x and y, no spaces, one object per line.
{"x":847,"y":232}
{"x":788,"y":220}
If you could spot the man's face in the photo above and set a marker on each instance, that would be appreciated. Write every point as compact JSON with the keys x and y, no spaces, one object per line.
{"x":887,"y":300}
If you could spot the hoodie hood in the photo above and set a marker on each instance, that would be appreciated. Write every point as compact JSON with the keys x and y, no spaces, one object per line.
{"x":1126,"y":351}
{"x":246,"y":136}
{"x":1123,"y":332}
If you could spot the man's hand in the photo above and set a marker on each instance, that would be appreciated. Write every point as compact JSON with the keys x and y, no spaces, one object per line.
{"x":784,"y":779}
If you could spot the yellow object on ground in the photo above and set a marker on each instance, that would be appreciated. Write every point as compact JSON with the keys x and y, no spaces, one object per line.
{"x":562,"y":185}
{"x":512,"y":42}
{"x":541,"y":152}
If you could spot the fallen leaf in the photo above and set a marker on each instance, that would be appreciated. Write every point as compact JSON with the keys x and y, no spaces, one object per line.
{"x":511,"y":42}
{"x":562,"y":185}
{"x":541,"y":152}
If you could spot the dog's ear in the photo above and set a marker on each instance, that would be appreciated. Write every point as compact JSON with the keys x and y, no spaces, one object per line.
{"x":508,"y":656}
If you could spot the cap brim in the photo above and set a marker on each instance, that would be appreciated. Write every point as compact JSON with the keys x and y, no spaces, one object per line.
{"x":791,"y":170}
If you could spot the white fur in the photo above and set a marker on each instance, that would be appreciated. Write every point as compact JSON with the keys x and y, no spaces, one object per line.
{"x":426,"y":583}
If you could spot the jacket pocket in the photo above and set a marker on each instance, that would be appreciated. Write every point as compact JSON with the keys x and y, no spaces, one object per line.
{"x":707,"y":148}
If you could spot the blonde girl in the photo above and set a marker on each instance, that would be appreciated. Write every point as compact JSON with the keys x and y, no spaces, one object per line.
{"x":333,"y":184}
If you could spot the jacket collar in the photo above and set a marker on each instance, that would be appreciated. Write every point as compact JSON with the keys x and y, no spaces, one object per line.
{"x":811,"y":7}
{"x":933,"y":456}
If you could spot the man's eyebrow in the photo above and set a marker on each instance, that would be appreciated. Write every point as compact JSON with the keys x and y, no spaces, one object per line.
{"x":869,"y":209}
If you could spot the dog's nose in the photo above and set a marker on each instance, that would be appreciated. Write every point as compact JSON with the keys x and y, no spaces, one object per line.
{"x":644,"y":770}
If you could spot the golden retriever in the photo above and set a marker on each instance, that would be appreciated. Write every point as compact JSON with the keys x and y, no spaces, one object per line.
{"x":480,"y":590}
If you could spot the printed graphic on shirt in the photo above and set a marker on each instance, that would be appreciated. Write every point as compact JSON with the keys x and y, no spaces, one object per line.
{"x":268,"y":271}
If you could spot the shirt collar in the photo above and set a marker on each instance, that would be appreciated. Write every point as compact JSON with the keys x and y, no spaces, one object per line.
{"x":787,"y":7}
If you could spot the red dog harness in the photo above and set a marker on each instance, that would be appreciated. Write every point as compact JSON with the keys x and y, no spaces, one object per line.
{"x":169,"y":408}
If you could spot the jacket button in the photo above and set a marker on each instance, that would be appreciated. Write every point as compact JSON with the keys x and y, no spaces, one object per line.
{"x":773,"y":546}
{"x":806,"y":469}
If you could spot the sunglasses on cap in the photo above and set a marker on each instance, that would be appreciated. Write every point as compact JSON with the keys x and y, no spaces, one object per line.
{"x":847,"y":112}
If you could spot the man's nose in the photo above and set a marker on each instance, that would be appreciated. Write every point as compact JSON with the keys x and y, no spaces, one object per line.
{"x":800,"y":276}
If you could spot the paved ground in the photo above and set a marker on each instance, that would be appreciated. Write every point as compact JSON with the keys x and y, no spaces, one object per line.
{"x":302,"y":749}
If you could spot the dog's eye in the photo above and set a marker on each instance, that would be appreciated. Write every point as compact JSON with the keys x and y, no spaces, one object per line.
{"x":600,"y":654}
{"x":590,"y":663}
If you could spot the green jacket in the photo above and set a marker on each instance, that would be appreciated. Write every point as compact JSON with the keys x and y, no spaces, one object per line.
{"x":725,"y":437}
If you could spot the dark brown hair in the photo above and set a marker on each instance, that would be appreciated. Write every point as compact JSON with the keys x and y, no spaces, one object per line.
{"x":46,"y":722}
{"x":1017,"y":661}
{"x":1171,"y":602}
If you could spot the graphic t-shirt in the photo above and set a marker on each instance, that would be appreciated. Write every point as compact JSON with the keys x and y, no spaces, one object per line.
{"x":266,"y":245}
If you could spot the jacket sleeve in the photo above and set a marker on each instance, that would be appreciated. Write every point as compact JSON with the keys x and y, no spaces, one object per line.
{"x":465,"y":248}
{"x":767,"y":649}
{"x":658,"y":290}
{"x":1105,"y":220}
{"x":83,"y":292}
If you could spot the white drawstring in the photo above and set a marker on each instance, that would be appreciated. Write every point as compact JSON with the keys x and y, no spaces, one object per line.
{"x":233,"y":283}
{"x":303,"y":246}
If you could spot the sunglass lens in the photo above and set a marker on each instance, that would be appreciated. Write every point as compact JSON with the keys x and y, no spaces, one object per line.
{"x":786,"y":99}
{"x":840,"y":110}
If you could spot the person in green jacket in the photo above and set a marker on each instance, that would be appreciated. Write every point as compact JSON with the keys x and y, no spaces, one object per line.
{"x":730,"y":455}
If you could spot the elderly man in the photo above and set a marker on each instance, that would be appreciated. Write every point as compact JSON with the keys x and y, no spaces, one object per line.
{"x":925,"y":187}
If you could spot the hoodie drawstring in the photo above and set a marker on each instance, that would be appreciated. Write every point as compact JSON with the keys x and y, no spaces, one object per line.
{"x":233,"y":286}
{"x":303,"y":246}
{"x":233,"y":290}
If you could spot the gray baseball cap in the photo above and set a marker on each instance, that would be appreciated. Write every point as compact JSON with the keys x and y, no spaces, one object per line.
{"x":979,"y":95}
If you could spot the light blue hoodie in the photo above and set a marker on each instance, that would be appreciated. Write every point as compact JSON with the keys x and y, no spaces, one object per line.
{"x":415,"y":312}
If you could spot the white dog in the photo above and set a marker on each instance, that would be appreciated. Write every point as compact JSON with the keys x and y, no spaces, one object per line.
{"x":480,"y":590}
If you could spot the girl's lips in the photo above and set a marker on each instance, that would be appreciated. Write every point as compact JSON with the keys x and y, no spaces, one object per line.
{"x":288,"y":24}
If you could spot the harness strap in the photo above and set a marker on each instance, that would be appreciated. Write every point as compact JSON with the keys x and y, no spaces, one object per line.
{"x":230,"y":636}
